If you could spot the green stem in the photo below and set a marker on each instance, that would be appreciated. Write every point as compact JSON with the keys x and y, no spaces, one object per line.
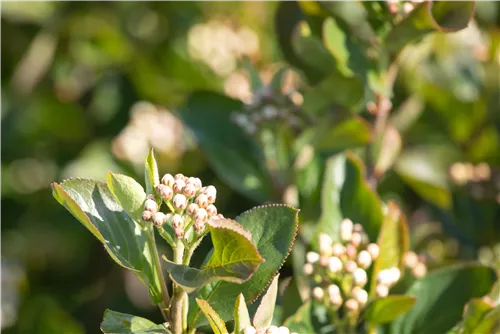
{"x":166,"y":236}
{"x":180,"y":297}
{"x":159,"y":272}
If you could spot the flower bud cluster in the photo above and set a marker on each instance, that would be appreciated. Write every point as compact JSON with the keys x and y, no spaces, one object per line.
{"x":402,"y":7}
{"x":415,"y":263}
{"x":270,"y":330}
{"x":188,"y":200}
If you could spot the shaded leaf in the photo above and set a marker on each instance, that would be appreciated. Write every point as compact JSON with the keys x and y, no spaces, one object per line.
{"x":349,"y":133}
{"x":234,"y":258}
{"x":128,"y":193}
{"x":301,"y":321}
{"x":273,"y":229}
{"x":264,"y":314}
{"x":441,"y":296}
{"x":217,"y":324}
{"x":384,"y":310}
{"x":122,"y":323}
{"x":241,"y":316}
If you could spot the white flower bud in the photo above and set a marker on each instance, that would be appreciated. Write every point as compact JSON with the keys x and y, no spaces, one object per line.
{"x":364,"y":239}
{"x":220,"y":216}
{"x":179,"y":232}
{"x":211,"y":210}
{"x":325,"y":244}
{"x":199,"y":226}
{"x":283,"y":330}
{"x":351,"y":251}
{"x":165,"y":192}
{"x":359,"y":277}
{"x":323,"y":260}
{"x":407,"y":8}
{"x":147,"y":215}
{"x":178,"y":186}
{"x":189,"y":190}
{"x":151,"y":205}
{"x":211,"y":193}
{"x":272,"y":330}
{"x":356,"y":239}
{"x":360,"y":295}
{"x":385,"y":277}
{"x":420,"y":270}
{"x":346,"y":227}
{"x":352,"y":305}
{"x":201,"y":215}
{"x":410,"y":259}
{"x":335,"y":300}
{"x":202,"y":200}
{"x":382,"y":290}
{"x":250,"y":330}
{"x":338,"y":250}
{"x":177,"y":221}
{"x":318,"y":293}
{"x":159,"y":219}
{"x":180,"y":176}
{"x":374,"y":251}
{"x":357,"y":228}
{"x":308,"y":269}
{"x":168,"y":180}
{"x":192,"y":208}
{"x":312,"y":257}
{"x":396,"y":274}
{"x":334,"y":264}
{"x":333,"y":290}
{"x":180,"y":201}
{"x":350,"y":266}
{"x":364,"y":259}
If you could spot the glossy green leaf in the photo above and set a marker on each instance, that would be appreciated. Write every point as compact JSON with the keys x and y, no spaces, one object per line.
{"x":264,"y":314}
{"x":441,"y":296}
{"x":350,"y":133}
{"x":393,"y":242}
{"x":217,"y":324}
{"x":273,"y":229}
{"x":234,"y":258}
{"x":384,"y":310}
{"x":241,"y":316}
{"x":446,"y":16}
{"x":121,"y":323}
{"x":301,"y":321}
{"x":96,"y":208}
{"x":152,"y":178}
{"x":233,"y":155}
{"x":128,"y":193}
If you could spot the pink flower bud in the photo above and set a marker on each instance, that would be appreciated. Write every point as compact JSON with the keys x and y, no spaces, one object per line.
{"x":350,"y":266}
{"x":168,"y":180}
{"x":199,"y":226}
{"x":159,"y":219}
{"x":356,"y":239}
{"x":357,"y":228}
{"x":335,"y":300}
{"x":410,"y":259}
{"x":177,"y":221}
{"x":325,"y":244}
{"x":250,"y":330}
{"x":151,"y":205}
{"x":178,"y":186}
{"x":346,"y":227}
{"x":192,"y":208}
{"x":147,"y":215}
{"x":360,"y":295}
{"x":179,"y":232}
{"x":382,"y":290}
{"x":420,"y":270}
{"x":338,"y":250}
{"x":211,"y":193}
{"x":211,"y":210}
{"x":333,"y":290}
{"x":352,"y":305}
{"x":180,"y":176}
{"x":364,"y":259}
{"x":374,"y":251}
{"x":189,"y":190}
{"x":180,"y":202}
{"x":201,"y":215}
{"x":202,"y":200}
{"x":272,"y":330}
{"x":165,"y":192}
{"x":351,"y":251}
{"x":323,"y":260}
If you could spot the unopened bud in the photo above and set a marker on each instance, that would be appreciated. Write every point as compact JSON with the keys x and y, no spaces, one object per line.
{"x":151,"y":205}
{"x":410,"y":259}
{"x":308,"y":269}
{"x":312,"y":257}
{"x":364,"y":259}
{"x":323,"y":260}
{"x":199,"y":226}
{"x":202,"y":200}
{"x":357,"y":228}
{"x":159,"y":219}
{"x":180,"y":176}
{"x":420,"y":270}
{"x":351,"y":251}
{"x":180,"y":201}
{"x":201,"y":215}
{"x":396,"y":274}
{"x":250,"y":330}
{"x":147,"y":215}
{"x":272,"y":330}
{"x":385,"y":277}
{"x":374,"y":251}
{"x":178,"y":186}
{"x":346,"y":227}
{"x":338,"y":250}
{"x":336,"y":300}
{"x":283,"y":330}
{"x":359,"y":277}
{"x":352,"y":305}
{"x":211,"y":210}
{"x":325,"y":244}
{"x":165,"y":192}
{"x":356,"y":239}
{"x":334,"y":264}
{"x":177,"y":221}
{"x":211,"y":193}
{"x":382,"y":290}
{"x":350,"y":266}
{"x":407,"y":8}
{"x":192,"y":208}
{"x":179,"y":232}
{"x":360,"y":295}
{"x":168,"y":180}
{"x":151,"y":197}
{"x":220,"y":216}
{"x":189,"y":190}
{"x":318,"y":293}
{"x":333,"y":290}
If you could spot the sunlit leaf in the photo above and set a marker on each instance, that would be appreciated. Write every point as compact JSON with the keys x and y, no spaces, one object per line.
{"x":217,"y":324}
{"x":264,"y":314}
{"x":384,"y":310}
{"x":121,"y":323}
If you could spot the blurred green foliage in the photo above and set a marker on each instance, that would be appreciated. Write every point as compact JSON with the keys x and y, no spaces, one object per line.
{"x":73,"y":73}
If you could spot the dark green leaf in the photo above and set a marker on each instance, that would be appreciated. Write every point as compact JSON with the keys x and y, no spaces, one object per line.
{"x":441,"y":297}
{"x":234,"y":156}
{"x":301,"y":321}
{"x":349,"y":133}
{"x":273,"y":229}
{"x":384,"y":310}
{"x":128,"y":193}
{"x":121,"y":323}
{"x":234,"y":258}
{"x":217,"y":324}
{"x":264,"y":315}
{"x":95,"y":207}
{"x":241,"y":316}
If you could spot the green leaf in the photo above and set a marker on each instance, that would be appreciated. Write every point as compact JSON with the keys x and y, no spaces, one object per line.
{"x":152,"y":178}
{"x":273,"y":229}
{"x":264,"y":315}
{"x":241,"y":316}
{"x":475,"y":311}
{"x":301,"y":321}
{"x":446,"y":16}
{"x":233,"y":155}
{"x":384,"y":310}
{"x":393,"y":241}
{"x":122,"y":323}
{"x":128,"y":193}
{"x":349,"y":133}
{"x":217,"y":324}
{"x":234,"y":258}
{"x":441,"y":296}
{"x":96,"y":208}
{"x":255,"y":80}
{"x":387,"y":150}
{"x":490,"y":322}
